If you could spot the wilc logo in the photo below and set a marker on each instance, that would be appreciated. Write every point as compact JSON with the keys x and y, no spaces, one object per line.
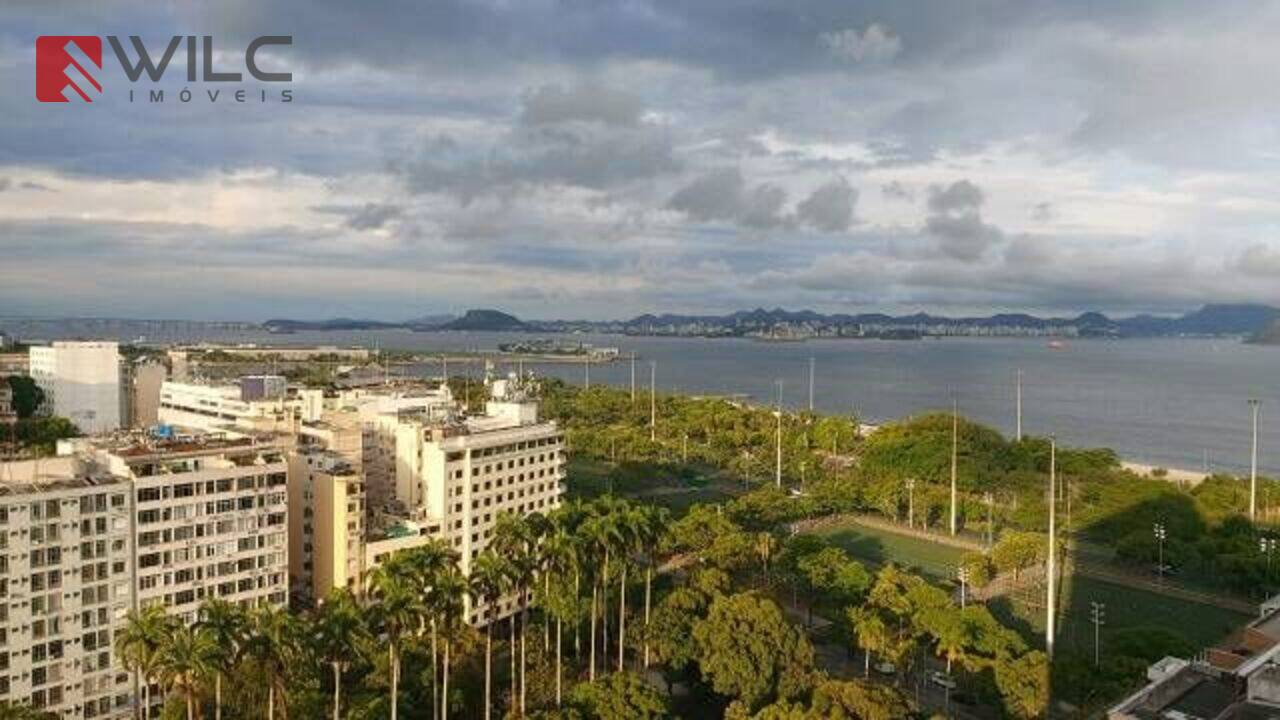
{"x":65,"y":66}
{"x":69,"y":68}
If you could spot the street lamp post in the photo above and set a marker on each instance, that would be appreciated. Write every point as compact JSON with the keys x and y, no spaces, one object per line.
{"x":911,"y":502}
{"x":653,"y":401}
{"x":1268,"y":546}
{"x":1051,"y":600}
{"x":955,"y":445}
{"x":778,"y":464}
{"x":1253,"y":463}
{"x":1099,"y":618}
{"x":1160,"y":534}
{"x":1019,"y":434}
{"x":962,"y":574}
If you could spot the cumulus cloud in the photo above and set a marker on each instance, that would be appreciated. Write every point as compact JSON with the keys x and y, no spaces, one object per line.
{"x":830,"y":207}
{"x":875,"y":44}
{"x":723,"y":195}
{"x":1042,"y":212}
{"x":1259,"y":260}
{"x":895,"y":190}
{"x":553,"y":104}
{"x":955,"y":221}
{"x":369,"y":216}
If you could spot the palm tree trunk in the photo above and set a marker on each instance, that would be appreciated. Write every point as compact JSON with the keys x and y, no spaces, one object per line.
{"x":444,"y":697}
{"x":435,"y":671}
{"x":395,"y":679}
{"x":622,"y":618}
{"x":488,"y":670}
{"x":546,"y":619}
{"x":217,"y":697}
{"x":591,"y":674}
{"x":604,"y":610}
{"x":866,"y":663}
{"x":559,"y":663}
{"x":648,"y":584}
{"x":191,"y":707}
{"x":337,"y":690}
{"x":524,"y":634}
{"x":577,"y":618}
{"x":271,"y":702}
{"x":515,"y":689}
{"x":146,"y":698}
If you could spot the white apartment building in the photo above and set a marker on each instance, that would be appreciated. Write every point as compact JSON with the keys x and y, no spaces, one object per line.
{"x":66,"y":550}
{"x":81,"y":382}
{"x":446,"y":476}
{"x":128,"y":521}
{"x":217,"y":408}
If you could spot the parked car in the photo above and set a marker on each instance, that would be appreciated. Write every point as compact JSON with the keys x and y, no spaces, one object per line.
{"x":942,"y":680}
{"x":885,"y":668}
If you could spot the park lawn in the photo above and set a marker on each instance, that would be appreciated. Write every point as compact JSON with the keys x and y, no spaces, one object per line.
{"x":589,"y":478}
{"x":875,"y":547}
{"x":1200,"y":624}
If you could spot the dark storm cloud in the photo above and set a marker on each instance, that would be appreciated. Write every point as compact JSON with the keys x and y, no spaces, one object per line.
{"x":563,"y":135}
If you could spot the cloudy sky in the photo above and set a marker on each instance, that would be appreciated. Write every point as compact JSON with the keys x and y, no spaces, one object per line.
{"x":598,"y":160}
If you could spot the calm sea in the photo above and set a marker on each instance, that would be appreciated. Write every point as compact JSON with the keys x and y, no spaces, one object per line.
{"x":1172,"y":402}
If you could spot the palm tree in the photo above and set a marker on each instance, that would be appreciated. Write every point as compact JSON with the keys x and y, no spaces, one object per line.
{"x":419,"y":567}
{"x":630,"y":533}
{"x":225,"y":624}
{"x":871,"y":630}
{"x":273,"y":645}
{"x":398,"y":612}
{"x":561,"y":554}
{"x":652,"y":529}
{"x":18,"y":711}
{"x":138,"y":645}
{"x":448,"y":599}
{"x":513,"y":538}
{"x":489,"y":579}
{"x":186,"y":656}
{"x":339,"y":630}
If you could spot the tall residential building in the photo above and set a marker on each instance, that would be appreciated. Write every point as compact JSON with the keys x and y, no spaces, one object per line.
{"x":81,"y":382}
{"x":144,"y":389}
{"x":65,"y":584}
{"x":448,"y":476}
{"x":129,"y":521}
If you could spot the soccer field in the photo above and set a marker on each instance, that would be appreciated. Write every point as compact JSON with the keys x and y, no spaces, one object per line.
{"x":875,"y":547}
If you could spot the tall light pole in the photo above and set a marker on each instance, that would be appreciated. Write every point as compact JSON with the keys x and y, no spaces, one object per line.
{"x":633,"y":377}
{"x":911,"y":502}
{"x":810,"y":384}
{"x":955,"y":445}
{"x":1099,"y":618}
{"x":991,"y":517}
{"x":962,"y":574}
{"x":1160,"y":534}
{"x":1051,"y":601}
{"x":778,"y":466}
{"x":1019,"y":431}
{"x":653,"y":401}
{"x":1253,"y":463}
{"x":587,"y":369}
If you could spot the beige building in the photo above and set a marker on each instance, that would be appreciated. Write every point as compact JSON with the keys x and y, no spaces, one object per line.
{"x":128,"y":521}
{"x":326,"y":529}
{"x":145,"y":381}
{"x":14,"y":364}
{"x":65,"y":584}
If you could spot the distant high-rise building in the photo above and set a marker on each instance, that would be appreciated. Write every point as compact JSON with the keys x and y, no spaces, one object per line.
{"x":81,"y":382}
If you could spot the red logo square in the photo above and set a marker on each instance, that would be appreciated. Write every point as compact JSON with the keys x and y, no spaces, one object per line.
{"x":67,"y":68}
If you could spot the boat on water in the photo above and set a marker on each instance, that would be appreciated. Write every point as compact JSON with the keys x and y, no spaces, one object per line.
{"x":1057,"y":345}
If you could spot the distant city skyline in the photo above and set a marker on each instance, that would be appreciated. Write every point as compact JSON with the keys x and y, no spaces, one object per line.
{"x":653,"y":157}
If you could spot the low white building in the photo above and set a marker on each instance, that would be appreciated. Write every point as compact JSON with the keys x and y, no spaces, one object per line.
{"x":81,"y":382}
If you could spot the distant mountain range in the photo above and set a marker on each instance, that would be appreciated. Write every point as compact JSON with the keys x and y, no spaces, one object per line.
{"x":1261,"y":322}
